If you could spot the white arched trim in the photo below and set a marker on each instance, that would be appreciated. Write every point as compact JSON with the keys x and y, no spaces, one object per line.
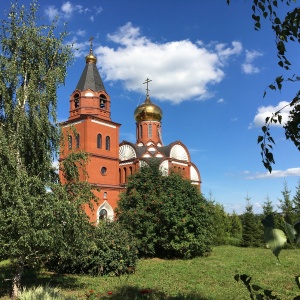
{"x":108,"y":208}
{"x":164,"y":168}
{"x":89,"y":94}
{"x":126,"y":152}
{"x":194,"y":174}
{"x":178,"y":152}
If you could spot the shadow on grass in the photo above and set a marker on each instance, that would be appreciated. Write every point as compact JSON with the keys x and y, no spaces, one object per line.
{"x":132,"y":292}
{"x":32,"y":278}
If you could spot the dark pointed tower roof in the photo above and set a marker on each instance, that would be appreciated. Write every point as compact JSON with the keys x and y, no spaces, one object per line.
{"x":90,"y":77}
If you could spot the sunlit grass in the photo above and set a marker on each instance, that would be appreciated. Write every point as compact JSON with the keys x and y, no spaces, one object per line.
{"x":202,"y":278}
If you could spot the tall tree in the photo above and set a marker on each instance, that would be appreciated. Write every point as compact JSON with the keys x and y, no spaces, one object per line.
{"x":286,"y":204}
{"x":284,"y":19}
{"x":236,"y":228}
{"x":38,"y":216}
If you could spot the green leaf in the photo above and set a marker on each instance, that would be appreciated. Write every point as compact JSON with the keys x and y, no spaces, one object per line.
{"x":260,"y":139}
{"x":275,"y":239}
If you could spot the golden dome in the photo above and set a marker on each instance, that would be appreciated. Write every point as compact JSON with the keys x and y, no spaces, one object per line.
{"x":91,"y":58}
{"x":148,"y":111}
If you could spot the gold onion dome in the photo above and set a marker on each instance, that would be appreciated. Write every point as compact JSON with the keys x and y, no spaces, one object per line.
{"x":91,"y":58}
{"x":148,"y":111}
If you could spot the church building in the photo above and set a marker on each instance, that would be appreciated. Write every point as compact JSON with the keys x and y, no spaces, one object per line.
{"x":90,"y":128}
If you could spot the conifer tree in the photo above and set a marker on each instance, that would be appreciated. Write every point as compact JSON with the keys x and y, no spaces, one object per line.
{"x":252,"y":230}
{"x":236,"y":228}
{"x":268,"y":207}
{"x":286,"y":204}
{"x":296,"y":200}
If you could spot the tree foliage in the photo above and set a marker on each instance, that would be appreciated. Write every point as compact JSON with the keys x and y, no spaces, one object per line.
{"x":38,"y":216}
{"x":286,"y":29}
{"x":252,"y":232}
{"x":167,"y":214}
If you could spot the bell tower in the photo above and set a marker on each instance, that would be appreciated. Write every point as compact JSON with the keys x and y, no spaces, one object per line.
{"x":89,"y":128}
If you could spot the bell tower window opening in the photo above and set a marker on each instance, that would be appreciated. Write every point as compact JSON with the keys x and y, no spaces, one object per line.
{"x":77,"y":138}
{"x":76,"y":101}
{"x":150,"y":130}
{"x":99,"y":140}
{"x":103,"y":101}
{"x":70,"y":142}
{"x":103,"y":214}
{"x":107,"y":143}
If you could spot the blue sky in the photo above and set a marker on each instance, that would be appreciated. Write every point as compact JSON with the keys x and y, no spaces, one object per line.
{"x":209,"y":69}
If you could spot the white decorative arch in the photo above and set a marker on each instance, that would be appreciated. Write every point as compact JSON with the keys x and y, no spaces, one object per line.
{"x":164,"y":168}
{"x":142,"y":163}
{"x":108,"y":208}
{"x":126,"y":152}
{"x":178,"y":152}
{"x":194,"y":174}
{"x":89,"y":94}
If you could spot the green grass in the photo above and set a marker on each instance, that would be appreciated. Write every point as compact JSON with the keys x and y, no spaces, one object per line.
{"x":203,"y":278}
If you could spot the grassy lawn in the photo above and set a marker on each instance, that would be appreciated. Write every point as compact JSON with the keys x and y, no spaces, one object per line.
{"x":198,"y":279}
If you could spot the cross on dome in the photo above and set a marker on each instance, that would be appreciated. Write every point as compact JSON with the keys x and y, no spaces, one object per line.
{"x":147,"y":82}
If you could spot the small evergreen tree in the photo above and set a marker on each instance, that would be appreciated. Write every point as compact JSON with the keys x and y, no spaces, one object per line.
{"x":236,"y":229}
{"x":268,"y":208}
{"x":252,"y":230}
{"x":167,"y":214}
{"x":222,"y":225}
{"x":286,"y":204}
{"x":296,"y":200}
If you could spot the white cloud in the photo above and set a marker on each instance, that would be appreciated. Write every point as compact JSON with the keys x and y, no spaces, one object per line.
{"x":79,"y":49}
{"x":221,"y":100}
{"x":266,"y":111}
{"x":247,"y":66}
{"x":68,"y":9}
{"x":180,"y":70}
{"x":51,"y":12}
{"x":81,"y":32}
{"x":276,"y":174}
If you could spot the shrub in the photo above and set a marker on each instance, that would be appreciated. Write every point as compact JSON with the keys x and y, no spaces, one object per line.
{"x":167,"y":215}
{"x":111,"y":250}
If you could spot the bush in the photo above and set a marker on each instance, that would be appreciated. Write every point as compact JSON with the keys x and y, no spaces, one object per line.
{"x":167,"y":215}
{"x":111,"y":251}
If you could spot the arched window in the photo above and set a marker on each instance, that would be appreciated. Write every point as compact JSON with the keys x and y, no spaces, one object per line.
{"x":130,"y":170}
{"x":103,"y":171}
{"x":77,"y":140}
{"x":70,"y":142}
{"x":103,"y":214}
{"x":103,"y":101}
{"x":99,"y":140}
{"x":105,"y":195}
{"x":141,"y":131}
{"x":107,"y":143}
{"x":150,"y":130}
{"x":125,"y":175}
{"x":76,"y":101}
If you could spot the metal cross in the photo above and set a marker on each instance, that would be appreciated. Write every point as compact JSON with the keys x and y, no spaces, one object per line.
{"x":147,"y":82}
{"x":91,"y":41}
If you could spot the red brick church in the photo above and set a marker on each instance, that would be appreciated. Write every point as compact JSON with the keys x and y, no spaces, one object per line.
{"x":111,"y":162}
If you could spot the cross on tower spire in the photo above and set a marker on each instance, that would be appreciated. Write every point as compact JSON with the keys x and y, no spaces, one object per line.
{"x":147,"y":82}
{"x":91,"y":44}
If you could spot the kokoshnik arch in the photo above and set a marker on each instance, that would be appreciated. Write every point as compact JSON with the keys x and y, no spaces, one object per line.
{"x":90,"y":128}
